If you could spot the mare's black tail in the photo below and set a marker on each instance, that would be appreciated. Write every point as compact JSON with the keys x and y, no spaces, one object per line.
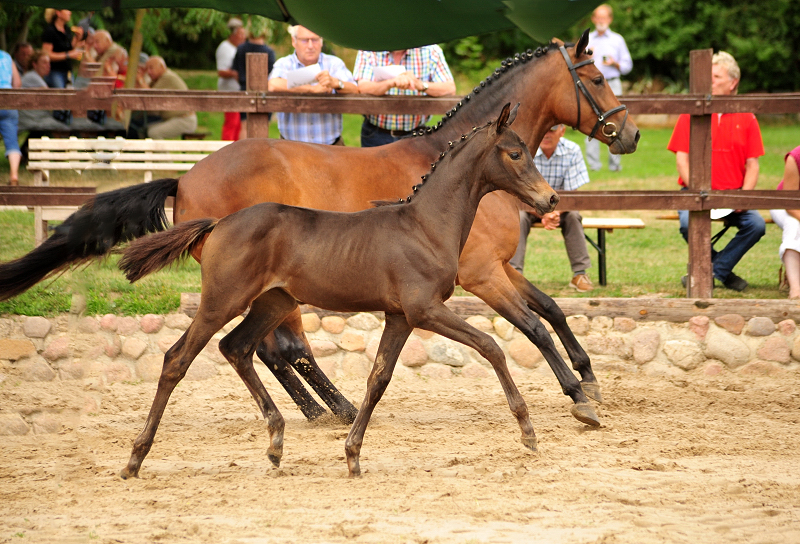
{"x":100,"y":224}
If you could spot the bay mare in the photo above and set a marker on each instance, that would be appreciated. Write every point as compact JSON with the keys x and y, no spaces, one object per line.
{"x":348,"y":179}
{"x":400,"y":259}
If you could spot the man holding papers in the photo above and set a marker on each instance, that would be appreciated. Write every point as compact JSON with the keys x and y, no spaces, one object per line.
{"x":419,"y":71}
{"x":309,"y":70}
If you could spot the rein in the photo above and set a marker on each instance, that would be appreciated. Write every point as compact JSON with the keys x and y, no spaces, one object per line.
{"x":609,"y":129}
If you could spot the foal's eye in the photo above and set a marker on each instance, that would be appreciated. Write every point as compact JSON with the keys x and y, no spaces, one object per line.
{"x":514,"y":156}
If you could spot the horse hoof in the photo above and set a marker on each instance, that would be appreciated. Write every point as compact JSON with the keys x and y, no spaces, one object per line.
{"x":584,"y":413}
{"x":126,"y":473}
{"x":275,"y":459}
{"x":592,"y":390}
{"x":530,"y":442}
{"x":347,"y":416}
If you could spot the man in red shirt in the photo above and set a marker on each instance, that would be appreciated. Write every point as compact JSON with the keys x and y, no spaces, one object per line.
{"x":735,"y":147}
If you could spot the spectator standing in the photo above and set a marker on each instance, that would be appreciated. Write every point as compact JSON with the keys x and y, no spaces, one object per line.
{"x":789,"y":222}
{"x":61,"y":45}
{"x":613,"y":60}
{"x":10,"y":78}
{"x":426,"y":73}
{"x":22,"y":55}
{"x":333,"y":78}
{"x":165,"y":124}
{"x":735,"y":147}
{"x":255,"y":43}
{"x":227,"y":77}
{"x":560,"y":162}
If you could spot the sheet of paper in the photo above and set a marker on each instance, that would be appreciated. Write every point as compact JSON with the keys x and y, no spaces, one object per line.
{"x":388,"y":72}
{"x":303,"y":76}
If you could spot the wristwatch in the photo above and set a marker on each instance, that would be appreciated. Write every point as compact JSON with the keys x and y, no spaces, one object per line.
{"x":341,"y":84}
{"x":424,"y":87}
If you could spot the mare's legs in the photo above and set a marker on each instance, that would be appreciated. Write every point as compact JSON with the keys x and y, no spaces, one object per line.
{"x":394,"y":337}
{"x":176,"y":363}
{"x":492,"y":284}
{"x":289,"y":343}
{"x":439,"y":319}
{"x":546,"y":307}
{"x":266,"y":312}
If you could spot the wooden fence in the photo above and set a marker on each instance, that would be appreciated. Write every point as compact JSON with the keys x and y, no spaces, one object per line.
{"x":699,"y":103}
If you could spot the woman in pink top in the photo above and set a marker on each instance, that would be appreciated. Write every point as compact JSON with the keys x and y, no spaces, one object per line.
{"x":789,"y":221}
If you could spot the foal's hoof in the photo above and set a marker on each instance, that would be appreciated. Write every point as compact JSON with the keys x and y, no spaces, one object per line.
{"x":584,"y":413}
{"x":126,"y":473}
{"x":348,"y":415}
{"x":592,"y":390}
{"x":275,"y":458}
{"x":530,"y":442}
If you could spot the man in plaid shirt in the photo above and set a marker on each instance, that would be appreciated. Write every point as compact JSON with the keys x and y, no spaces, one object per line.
{"x":426,"y":73}
{"x":334,"y":77}
{"x":561,"y":163}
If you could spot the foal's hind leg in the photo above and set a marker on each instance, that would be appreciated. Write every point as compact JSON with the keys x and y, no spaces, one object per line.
{"x":266,"y":312}
{"x":440,"y":319}
{"x":546,"y":307}
{"x":176,"y":363}
{"x":394,"y":337}
{"x":293,"y":347}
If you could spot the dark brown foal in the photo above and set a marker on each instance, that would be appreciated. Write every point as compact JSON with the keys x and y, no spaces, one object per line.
{"x":400,"y":259}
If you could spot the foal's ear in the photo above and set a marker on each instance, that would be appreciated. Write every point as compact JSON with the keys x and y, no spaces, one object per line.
{"x":512,"y":115}
{"x":502,"y":121}
{"x":582,"y":43}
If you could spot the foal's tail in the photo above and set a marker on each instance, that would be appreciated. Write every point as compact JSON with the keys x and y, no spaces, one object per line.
{"x":152,"y":253}
{"x":100,"y":224}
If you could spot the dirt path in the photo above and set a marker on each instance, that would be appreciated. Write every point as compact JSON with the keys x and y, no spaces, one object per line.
{"x":694,"y":460}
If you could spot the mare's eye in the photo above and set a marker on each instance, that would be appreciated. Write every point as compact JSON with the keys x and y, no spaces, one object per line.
{"x":514,"y":156}
{"x":598,"y":80}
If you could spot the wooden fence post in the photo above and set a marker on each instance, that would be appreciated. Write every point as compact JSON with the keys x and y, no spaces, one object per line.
{"x":257,"y":77}
{"x":701,"y":276}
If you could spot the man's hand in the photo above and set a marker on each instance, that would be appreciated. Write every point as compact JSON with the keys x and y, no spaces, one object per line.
{"x":326,"y":80}
{"x":552,"y":220}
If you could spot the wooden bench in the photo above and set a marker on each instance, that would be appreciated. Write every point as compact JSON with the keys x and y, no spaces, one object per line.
{"x":112,"y":154}
{"x":604,"y":225}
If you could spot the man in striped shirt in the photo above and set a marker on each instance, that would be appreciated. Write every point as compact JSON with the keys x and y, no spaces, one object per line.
{"x":425,"y":73}
{"x":333,"y":77}
{"x":561,"y":163}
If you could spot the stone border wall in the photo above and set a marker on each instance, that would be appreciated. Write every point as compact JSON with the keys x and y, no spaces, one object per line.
{"x":92,"y":352}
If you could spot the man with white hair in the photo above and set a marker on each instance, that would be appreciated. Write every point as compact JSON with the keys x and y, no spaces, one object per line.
{"x":333,"y":78}
{"x":735,"y":147}
{"x":612,"y":58}
{"x":228,"y":78}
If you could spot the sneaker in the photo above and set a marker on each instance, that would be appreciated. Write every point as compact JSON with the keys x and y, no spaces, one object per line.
{"x":735,"y":282}
{"x":581,"y":283}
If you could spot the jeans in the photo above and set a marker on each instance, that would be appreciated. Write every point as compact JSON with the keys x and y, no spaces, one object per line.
{"x":57,"y":80}
{"x":750,"y":228}
{"x":8,"y":130}
{"x":372,"y":137}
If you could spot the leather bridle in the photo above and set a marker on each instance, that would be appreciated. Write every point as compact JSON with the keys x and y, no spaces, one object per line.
{"x":609,"y":129}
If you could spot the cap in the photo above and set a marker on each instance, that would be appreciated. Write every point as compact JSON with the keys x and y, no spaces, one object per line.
{"x":234,"y":23}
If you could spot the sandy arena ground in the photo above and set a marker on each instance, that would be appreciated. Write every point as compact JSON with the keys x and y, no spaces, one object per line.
{"x":688,"y":460}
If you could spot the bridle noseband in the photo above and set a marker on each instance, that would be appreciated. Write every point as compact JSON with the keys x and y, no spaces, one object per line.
{"x":609,"y":129}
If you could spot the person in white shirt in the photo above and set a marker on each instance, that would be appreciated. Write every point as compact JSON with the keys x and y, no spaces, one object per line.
{"x":613,"y":60}
{"x":228,"y":79}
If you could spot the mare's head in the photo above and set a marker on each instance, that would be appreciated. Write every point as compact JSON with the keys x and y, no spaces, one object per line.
{"x":509,"y":165}
{"x":587,"y":100}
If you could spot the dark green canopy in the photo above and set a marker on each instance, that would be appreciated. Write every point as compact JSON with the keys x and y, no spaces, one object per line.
{"x":385,"y":25}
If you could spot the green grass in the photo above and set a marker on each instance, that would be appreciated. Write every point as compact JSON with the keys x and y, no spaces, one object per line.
{"x":647,"y":262}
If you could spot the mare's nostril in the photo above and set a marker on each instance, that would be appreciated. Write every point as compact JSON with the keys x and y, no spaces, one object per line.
{"x":554,"y":200}
{"x":636,"y":138}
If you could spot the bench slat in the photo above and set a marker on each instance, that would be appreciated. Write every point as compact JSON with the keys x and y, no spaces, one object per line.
{"x":612,"y":223}
{"x":93,"y":165}
{"x":82,"y":144}
{"x":103,"y":156}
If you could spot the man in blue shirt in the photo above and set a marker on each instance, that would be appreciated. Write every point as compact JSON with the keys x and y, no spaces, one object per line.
{"x":612,"y":58}
{"x":333,"y":77}
{"x":561,"y":163}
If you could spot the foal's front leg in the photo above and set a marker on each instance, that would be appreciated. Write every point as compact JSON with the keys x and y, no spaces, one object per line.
{"x":394,"y":337}
{"x":441,"y":320}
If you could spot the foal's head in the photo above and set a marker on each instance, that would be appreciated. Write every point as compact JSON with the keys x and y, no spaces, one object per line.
{"x":510,"y":166}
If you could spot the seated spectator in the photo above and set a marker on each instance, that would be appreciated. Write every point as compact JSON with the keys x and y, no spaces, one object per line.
{"x":561,"y":163}
{"x":789,"y":222}
{"x":254,"y":44}
{"x":163,"y":124}
{"x":39,"y":121}
{"x":333,"y":77}
{"x":62,"y":45}
{"x":735,"y":148}
{"x":426,"y":73}
{"x":9,"y":78}
{"x":22,"y":56}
